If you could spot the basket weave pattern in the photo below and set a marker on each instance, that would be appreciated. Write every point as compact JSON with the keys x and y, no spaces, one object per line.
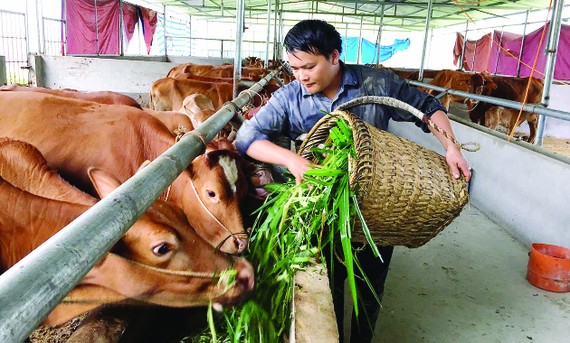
{"x":406,"y":192}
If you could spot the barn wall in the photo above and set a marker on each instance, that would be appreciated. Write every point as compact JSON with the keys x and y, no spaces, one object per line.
{"x":516,"y":185}
{"x":132,"y":76}
{"x":3,"y":76}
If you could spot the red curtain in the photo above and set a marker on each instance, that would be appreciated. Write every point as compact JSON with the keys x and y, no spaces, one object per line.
{"x":476,"y":56}
{"x":502,"y":54}
{"x":93,"y":26}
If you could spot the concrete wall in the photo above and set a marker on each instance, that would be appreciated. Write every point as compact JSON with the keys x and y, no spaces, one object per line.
{"x":3,"y":75}
{"x":522,"y":188}
{"x":127,"y":75}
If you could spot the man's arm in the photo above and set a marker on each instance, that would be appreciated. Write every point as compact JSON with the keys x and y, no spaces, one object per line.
{"x":455,"y":159}
{"x":266,"y":151}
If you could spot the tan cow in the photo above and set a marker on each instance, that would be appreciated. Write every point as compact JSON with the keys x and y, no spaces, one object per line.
{"x":75,"y":135}
{"x":139,"y":267}
{"x":453,"y":79}
{"x":101,"y":97}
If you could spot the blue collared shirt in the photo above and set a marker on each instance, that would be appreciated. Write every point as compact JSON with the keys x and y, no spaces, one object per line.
{"x":292,"y":111}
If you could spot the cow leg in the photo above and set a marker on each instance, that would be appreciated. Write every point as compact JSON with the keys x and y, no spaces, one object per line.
{"x":492,"y":116}
{"x":532,"y":124}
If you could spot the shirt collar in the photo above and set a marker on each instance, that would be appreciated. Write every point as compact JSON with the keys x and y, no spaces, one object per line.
{"x":348,"y":79}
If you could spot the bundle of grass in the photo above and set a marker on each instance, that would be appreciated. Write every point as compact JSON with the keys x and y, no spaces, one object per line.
{"x":293,"y":226}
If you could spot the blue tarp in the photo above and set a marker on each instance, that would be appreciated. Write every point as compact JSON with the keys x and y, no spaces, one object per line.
{"x":369,"y":51}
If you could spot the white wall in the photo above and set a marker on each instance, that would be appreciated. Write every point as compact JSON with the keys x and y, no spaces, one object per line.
{"x":126,"y":75}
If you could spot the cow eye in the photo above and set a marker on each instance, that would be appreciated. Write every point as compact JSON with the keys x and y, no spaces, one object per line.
{"x":211,"y":194}
{"x":161,"y":249}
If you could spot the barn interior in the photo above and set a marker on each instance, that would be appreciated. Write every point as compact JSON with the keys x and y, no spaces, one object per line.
{"x":469,"y":283}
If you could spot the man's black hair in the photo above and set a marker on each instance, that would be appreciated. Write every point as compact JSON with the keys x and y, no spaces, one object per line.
{"x":313,"y":36}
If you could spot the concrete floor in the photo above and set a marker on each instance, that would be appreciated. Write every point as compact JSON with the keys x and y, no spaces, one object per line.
{"x":469,"y":284}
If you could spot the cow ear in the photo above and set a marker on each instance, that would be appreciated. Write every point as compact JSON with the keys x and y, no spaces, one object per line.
{"x":103,"y":182}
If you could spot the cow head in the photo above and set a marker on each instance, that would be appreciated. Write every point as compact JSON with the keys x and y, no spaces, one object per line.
{"x":212,"y":198}
{"x":480,"y":84}
{"x":161,"y":260}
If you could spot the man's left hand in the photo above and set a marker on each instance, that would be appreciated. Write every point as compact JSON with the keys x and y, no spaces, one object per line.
{"x":457,"y":163}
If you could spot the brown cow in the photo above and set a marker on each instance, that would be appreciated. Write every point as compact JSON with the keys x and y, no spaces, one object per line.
{"x":177,"y":122}
{"x":168,"y":94}
{"x":453,"y":79}
{"x":510,"y":88}
{"x":101,"y":97}
{"x":224,"y":70}
{"x":140,"y":265}
{"x":75,"y":135}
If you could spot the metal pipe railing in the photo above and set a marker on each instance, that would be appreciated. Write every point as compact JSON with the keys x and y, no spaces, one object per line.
{"x":35,"y":285}
{"x":534,"y":108}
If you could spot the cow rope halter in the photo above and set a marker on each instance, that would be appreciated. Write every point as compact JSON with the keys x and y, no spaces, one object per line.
{"x":226,"y":277}
{"x":384,"y":100}
{"x":231,"y":234}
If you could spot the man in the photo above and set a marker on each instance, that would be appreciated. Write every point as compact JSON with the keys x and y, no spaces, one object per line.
{"x":322,"y":83}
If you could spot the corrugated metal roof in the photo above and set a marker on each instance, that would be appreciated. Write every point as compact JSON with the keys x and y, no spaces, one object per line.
{"x":397,"y":14}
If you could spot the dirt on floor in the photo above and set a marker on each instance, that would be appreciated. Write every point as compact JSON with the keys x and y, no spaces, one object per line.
{"x":557,"y":145}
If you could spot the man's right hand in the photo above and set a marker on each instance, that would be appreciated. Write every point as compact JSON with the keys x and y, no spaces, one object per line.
{"x":298,"y":166}
{"x":266,"y":151}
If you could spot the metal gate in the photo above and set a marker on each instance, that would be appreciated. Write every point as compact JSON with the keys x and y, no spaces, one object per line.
{"x":14,"y":46}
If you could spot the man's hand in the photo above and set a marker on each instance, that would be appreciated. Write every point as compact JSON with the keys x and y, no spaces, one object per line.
{"x":266,"y":151}
{"x":297,"y":165}
{"x":457,"y":162}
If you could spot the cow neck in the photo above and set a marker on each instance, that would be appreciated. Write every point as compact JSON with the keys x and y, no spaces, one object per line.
{"x":36,"y":223}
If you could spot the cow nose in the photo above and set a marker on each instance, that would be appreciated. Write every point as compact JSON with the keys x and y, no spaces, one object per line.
{"x":241,"y":243}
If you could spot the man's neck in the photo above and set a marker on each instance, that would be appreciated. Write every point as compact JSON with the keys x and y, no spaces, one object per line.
{"x":332,"y":89}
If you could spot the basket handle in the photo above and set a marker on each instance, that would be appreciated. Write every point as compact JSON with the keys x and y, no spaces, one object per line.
{"x":393,"y":102}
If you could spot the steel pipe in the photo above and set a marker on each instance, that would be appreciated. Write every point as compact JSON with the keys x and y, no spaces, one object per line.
{"x":534,"y":108}
{"x":35,"y":285}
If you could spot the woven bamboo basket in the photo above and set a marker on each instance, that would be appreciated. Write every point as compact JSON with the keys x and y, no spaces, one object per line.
{"x":406,"y":192}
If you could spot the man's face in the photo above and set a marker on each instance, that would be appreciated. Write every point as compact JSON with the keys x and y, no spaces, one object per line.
{"x":315,"y":72}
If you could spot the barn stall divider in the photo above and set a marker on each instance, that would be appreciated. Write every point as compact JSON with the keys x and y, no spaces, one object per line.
{"x":35,"y":285}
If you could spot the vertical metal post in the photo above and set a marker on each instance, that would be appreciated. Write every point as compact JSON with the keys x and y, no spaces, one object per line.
{"x":280,"y":32}
{"x":275,"y":38}
{"x":121,"y":45}
{"x":40,"y":25}
{"x":189,"y":35}
{"x":552,"y":47}
{"x":96,"y":29}
{"x":379,"y":38}
{"x":498,"y":49}
{"x":240,"y":14}
{"x":428,"y":20}
{"x":358,"y":53}
{"x":164,"y":31}
{"x":522,"y":46}
{"x":268,"y":31}
{"x":461,"y":60}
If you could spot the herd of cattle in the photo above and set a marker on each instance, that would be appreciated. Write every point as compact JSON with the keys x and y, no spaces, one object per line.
{"x":524,"y":90}
{"x":63,"y":149}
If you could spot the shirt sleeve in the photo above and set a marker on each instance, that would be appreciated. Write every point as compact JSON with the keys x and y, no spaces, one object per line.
{"x":424,"y":102}
{"x":265,"y":124}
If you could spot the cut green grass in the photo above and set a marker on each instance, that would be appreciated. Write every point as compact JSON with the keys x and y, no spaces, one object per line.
{"x":295,"y":223}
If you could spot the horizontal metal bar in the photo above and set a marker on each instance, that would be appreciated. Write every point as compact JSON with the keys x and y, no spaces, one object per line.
{"x":35,"y":285}
{"x":534,"y":108}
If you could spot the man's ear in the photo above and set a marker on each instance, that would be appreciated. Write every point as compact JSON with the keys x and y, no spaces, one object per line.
{"x":335,"y":57}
